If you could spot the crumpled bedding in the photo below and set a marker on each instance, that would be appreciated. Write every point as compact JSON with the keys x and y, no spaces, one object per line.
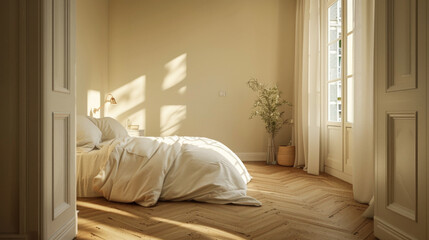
{"x":146,"y":170}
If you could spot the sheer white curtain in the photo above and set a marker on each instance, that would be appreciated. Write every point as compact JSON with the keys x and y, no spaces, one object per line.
{"x":362,"y":149}
{"x":307,"y":94}
{"x":307,"y":86}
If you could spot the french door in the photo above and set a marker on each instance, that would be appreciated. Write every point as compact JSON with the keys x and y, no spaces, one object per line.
{"x":337,"y":39}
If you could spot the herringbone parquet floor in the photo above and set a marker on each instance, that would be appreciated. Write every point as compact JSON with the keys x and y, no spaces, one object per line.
{"x":295,"y":206}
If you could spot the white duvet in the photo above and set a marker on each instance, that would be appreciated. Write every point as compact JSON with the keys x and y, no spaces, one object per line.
{"x":145,"y":170}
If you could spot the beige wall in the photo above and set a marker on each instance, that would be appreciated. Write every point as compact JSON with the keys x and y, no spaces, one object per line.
{"x":168,"y":60}
{"x":91,"y":53}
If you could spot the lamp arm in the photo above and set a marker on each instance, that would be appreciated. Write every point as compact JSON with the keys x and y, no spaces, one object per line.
{"x":111,"y":100}
{"x":95,"y":110}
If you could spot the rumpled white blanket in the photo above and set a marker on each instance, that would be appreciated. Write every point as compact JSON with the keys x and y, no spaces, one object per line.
{"x":145,"y":170}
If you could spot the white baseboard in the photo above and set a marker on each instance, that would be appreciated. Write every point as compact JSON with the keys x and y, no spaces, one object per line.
{"x":338,"y":174}
{"x":68,"y":231}
{"x":383,"y":230}
{"x":252,"y":156}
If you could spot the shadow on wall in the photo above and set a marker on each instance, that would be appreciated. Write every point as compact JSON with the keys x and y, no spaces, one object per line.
{"x":132,"y":100}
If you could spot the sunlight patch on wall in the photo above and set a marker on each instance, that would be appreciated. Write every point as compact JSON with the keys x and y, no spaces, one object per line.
{"x":176,"y":72}
{"x":171,"y":119}
{"x":93,"y":101}
{"x":128,"y":96}
{"x":182,"y":90}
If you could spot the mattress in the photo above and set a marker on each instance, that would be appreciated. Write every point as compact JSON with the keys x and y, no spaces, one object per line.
{"x":88,"y":165}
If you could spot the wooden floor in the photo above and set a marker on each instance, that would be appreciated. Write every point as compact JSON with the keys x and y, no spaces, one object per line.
{"x":295,"y":205}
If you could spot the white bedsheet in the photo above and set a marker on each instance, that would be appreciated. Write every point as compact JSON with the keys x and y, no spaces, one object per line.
{"x":88,"y":165}
{"x":145,"y":170}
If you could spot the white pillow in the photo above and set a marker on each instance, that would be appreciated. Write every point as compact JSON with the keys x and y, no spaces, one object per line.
{"x":110,"y":128}
{"x":87,"y":134}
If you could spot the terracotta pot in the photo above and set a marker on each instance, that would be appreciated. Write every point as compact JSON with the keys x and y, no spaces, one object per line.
{"x":286,"y":155}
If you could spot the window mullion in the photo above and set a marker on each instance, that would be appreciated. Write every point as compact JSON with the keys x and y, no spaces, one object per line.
{"x":344,"y":62}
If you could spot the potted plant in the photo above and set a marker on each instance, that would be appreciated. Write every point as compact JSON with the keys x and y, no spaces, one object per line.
{"x":267,"y":107}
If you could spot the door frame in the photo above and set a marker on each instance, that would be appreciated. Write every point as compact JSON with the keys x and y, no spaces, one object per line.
{"x":30,"y":120}
{"x":34,"y":118}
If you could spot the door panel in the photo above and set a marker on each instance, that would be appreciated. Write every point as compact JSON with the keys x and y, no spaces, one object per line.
{"x":401,"y":164}
{"x":401,"y":29}
{"x":60,"y":163}
{"x":58,"y":167}
{"x":334,"y":153}
{"x":60,"y":45}
{"x":401,"y":116}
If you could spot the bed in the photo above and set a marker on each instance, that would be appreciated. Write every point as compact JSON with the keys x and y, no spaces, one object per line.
{"x":88,"y":165}
{"x":146,"y":170}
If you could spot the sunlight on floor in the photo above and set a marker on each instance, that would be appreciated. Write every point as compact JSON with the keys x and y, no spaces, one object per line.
{"x":209,"y":232}
{"x":103,"y":208}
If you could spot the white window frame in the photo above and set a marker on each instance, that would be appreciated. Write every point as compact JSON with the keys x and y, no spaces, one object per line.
{"x":345,"y":124}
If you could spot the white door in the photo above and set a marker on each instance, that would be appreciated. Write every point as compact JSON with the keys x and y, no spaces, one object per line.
{"x":338,"y":34}
{"x":58,"y":116}
{"x":401,"y":118}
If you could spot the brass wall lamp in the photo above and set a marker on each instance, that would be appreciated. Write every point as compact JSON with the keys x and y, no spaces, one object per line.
{"x":109,"y":99}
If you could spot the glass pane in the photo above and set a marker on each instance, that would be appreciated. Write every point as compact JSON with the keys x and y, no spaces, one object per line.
{"x":350,"y":99}
{"x":334,"y":17}
{"x":334,"y":60}
{"x":350,"y":54}
{"x":334,"y":101}
{"x":334,"y":21}
{"x":350,"y":15}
